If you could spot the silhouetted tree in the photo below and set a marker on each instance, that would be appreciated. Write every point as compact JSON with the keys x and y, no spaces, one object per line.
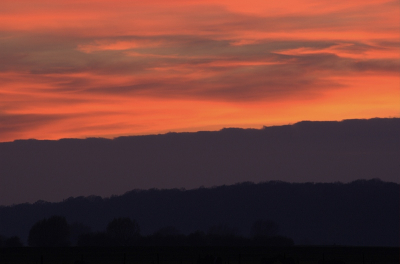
{"x":166,"y":236}
{"x":265,"y":233}
{"x":14,"y":241}
{"x":240,"y":205}
{"x":221,"y":230}
{"x":76,"y":230}
{"x":197,"y":238}
{"x":281,"y":241}
{"x":52,"y":232}
{"x":124,"y":231}
{"x":222,"y":235}
{"x":99,"y":239}
{"x":167,"y":231}
{"x":264,"y":228}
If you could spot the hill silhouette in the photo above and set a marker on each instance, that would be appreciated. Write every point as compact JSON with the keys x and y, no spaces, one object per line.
{"x":360,"y":213}
{"x":345,"y":151}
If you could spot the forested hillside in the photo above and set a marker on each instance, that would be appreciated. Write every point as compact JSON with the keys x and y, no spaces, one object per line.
{"x":360,"y":213}
{"x":345,"y":151}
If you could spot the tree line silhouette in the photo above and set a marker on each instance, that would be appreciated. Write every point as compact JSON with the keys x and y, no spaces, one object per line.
{"x":360,"y":213}
{"x":302,"y":152}
{"x":9,"y":242}
{"x":124,"y":231}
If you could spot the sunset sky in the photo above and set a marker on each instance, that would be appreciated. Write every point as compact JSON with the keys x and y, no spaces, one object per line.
{"x":86,"y":68}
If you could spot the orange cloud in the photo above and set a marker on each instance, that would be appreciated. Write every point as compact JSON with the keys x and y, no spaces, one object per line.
{"x":101,"y":68}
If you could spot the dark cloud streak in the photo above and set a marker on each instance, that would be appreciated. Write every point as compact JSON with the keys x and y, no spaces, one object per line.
{"x":14,"y":123}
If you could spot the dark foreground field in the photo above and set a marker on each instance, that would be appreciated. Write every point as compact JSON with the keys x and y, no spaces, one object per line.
{"x":203,"y":255}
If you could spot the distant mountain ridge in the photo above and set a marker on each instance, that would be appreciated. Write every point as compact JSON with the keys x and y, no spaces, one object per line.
{"x":360,"y":213}
{"x":32,"y":170}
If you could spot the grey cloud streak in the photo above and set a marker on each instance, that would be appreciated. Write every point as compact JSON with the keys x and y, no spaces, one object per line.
{"x":12,"y":123}
{"x":290,"y":75}
{"x":209,"y":66}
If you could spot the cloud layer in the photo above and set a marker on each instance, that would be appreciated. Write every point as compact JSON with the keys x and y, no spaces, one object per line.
{"x":97,"y":68}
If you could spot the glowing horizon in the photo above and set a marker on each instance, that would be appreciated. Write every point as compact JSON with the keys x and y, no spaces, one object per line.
{"x":78,"y":69}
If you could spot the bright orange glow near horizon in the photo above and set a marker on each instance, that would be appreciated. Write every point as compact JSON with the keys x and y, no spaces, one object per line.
{"x":77,"y":69}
